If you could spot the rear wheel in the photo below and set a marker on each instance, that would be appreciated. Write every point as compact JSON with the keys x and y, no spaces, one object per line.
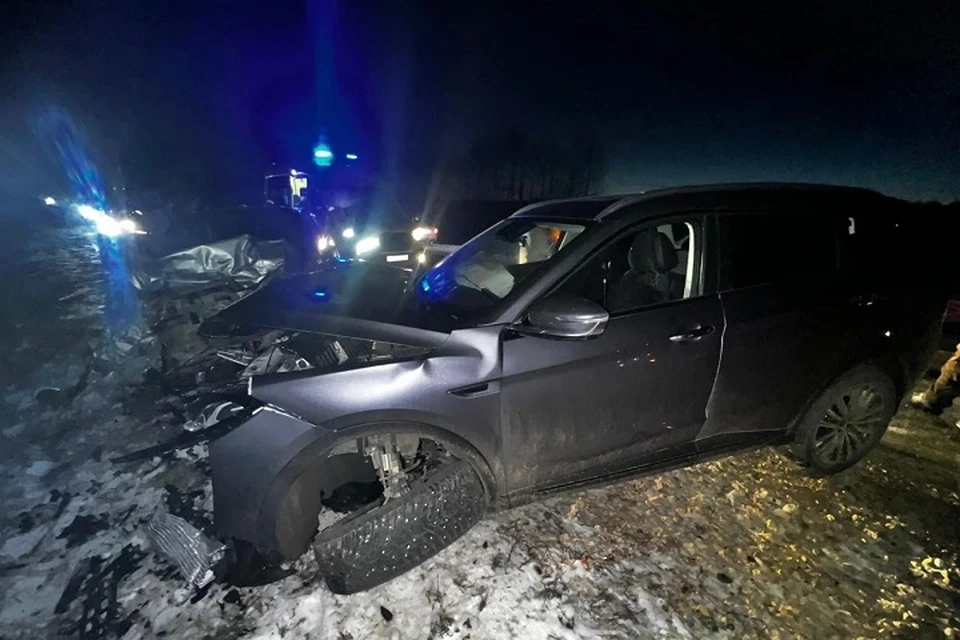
{"x":846,"y":421}
{"x":391,"y":536}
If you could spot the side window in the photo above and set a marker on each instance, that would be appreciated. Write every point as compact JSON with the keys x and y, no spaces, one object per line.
{"x":647,"y":266}
{"x":771,"y":248}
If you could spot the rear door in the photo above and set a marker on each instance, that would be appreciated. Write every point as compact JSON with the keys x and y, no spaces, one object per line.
{"x":578,"y":409}
{"x":791,"y":322}
{"x":898,"y":309}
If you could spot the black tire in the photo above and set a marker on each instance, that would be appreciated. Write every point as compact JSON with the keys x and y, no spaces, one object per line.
{"x":830,"y":440}
{"x":385,"y":542}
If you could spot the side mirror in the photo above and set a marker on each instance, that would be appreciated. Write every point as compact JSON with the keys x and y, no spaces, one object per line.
{"x":564,"y":316}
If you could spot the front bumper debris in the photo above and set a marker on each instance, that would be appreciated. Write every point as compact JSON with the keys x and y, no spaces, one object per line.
{"x":193,"y":553}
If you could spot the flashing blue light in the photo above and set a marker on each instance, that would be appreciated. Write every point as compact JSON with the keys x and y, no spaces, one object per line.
{"x":425,"y":285}
{"x":322,"y":155}
{"x":320,"y":294}
{"x":351,"y":156}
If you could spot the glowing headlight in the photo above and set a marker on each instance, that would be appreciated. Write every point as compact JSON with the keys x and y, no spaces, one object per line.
{"x":348,"y":233}
{"x":104,"y":224}
{"x":423,"y":233}
{"x":88,"y":212}
{"x":108,"y":226}
{"x":325,"y":243}
{"x":366,"y":245}
{"x":50,"y":201}
{"x":128,"y":225}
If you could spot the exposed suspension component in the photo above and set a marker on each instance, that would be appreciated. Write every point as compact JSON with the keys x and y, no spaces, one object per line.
{"x":385,"y":456}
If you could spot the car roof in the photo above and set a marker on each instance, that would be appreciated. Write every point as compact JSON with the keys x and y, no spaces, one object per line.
{"x":706,"y":196}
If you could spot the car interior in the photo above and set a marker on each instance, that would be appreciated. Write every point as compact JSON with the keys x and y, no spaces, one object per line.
{"x":651,"y":266}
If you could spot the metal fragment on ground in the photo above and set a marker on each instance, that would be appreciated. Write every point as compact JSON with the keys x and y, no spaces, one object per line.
{"x":186,"y":547}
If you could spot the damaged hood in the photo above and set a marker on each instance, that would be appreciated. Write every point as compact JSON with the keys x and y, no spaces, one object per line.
{"x":241,"y":261}
{"x":356,"y":300}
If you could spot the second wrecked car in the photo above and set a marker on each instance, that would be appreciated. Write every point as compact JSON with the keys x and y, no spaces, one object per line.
{"x":576,"y":342}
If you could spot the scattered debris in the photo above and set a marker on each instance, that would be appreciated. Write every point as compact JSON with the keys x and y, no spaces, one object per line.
{"x":186,"y":547}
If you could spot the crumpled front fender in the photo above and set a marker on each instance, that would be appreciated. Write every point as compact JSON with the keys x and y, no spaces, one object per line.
{"x":256,"y":469}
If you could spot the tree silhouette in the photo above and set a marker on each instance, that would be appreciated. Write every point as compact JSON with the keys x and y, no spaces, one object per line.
{"x":515,"y":166}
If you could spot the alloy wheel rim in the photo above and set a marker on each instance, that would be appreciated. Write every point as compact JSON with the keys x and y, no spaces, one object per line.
{"x":849,"y":425}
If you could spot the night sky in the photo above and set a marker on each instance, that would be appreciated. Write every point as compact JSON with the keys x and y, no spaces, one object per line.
{"x":194,"y":94}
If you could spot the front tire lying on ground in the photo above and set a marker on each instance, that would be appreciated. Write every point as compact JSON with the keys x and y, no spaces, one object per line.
{"x":381,"y":543}
{"x":846,"y":421}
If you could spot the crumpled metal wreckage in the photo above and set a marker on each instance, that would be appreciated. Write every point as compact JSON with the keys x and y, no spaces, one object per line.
{"x":241,"y":261}
{"x":212,"y":414}
{"x":260,"y":347}
{"x":192,"y":552}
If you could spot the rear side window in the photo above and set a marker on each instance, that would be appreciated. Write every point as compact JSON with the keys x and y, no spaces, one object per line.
{"x":772,"y":248}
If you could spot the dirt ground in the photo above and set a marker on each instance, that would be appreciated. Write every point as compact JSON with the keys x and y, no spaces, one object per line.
{"x":742,"y":547}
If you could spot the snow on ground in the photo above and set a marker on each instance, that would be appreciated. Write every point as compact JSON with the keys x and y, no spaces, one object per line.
{"x":747,"y":546}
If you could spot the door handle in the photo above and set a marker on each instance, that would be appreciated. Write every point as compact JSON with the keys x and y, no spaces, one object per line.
{"x":692,"y":334}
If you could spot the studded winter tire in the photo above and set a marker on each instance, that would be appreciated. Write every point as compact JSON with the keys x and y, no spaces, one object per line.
{"x":380,"y":544}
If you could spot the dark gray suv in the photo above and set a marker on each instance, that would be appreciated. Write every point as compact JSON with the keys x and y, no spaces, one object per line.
{"x":575,"y":342}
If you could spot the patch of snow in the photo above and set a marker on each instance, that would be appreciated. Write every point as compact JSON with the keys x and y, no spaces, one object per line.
{"x":21,"y":601}
{"x":40,"y":468}
{"x":663,"y":622}
{"x":15,"y":430}
{"x":23,"y":544}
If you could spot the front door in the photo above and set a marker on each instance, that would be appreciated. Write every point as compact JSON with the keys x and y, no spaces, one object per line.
{"x":575,"y":409}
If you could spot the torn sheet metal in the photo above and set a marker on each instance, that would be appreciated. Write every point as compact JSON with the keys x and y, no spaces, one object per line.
{"x":241,"y":357}
{"x":186,"y":547}
{"x":241,"y":261}
{"x":213,"y":413}
{"x":276,"y":359}
{"x":186,"y":439}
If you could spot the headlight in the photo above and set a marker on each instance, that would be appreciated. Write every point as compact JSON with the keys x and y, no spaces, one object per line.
{"x":89,"y":213}
{"x":325,"y":243}
{"x":366,"y":245}
{"x":348,"y":233}
{"x":50,"y":201}
{"x":107,"y":226}
{"x":424,"y":233}
{"x":128,"y":225}
{"x":103,"y":223}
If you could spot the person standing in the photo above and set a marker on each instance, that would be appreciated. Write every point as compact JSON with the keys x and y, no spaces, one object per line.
{"x":940,"y":395}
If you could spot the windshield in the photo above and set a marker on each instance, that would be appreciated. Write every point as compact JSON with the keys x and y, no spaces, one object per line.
{"x":489,"y":267}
